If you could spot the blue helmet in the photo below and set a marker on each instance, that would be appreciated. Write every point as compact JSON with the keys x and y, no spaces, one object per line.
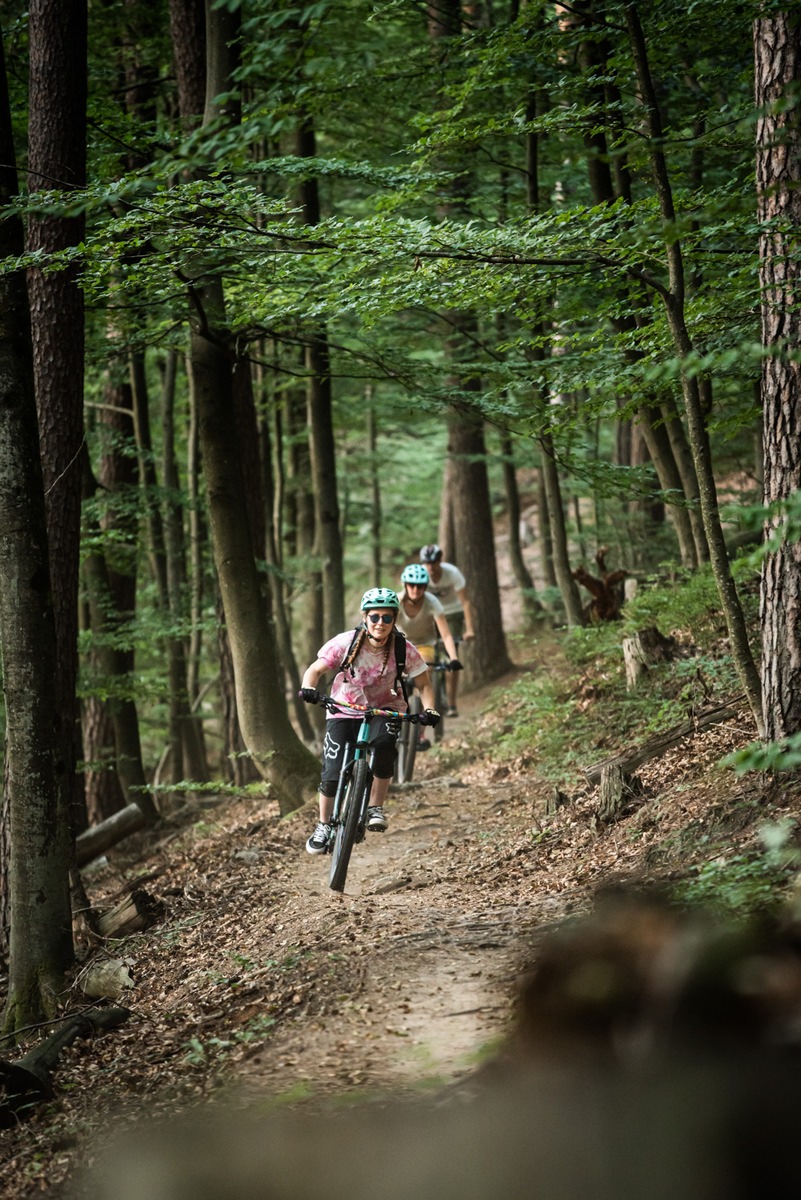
{"x":415,"y":573}
{"x":380,"y":598}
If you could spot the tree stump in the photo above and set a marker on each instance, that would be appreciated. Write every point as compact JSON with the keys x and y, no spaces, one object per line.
{"x":641,"y":651}
{"x":555,"y":801}
{"x":613,"y":793}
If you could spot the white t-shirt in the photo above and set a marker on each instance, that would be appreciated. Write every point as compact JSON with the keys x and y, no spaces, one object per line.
{"x":370,"y":679}
{"x":450,"y":582}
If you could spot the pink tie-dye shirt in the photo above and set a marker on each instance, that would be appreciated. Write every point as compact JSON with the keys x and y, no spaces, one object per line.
{"x":372,"y":681}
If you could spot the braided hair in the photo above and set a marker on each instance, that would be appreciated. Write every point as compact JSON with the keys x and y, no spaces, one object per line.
{"x":355,"y":647}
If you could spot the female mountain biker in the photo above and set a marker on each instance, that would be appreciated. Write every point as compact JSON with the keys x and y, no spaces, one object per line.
{"x":367,"y":666}
{"x":422,"y":617}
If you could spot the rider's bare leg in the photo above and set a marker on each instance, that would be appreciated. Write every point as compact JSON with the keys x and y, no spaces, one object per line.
{"x":326,"y":807}
{"x":378,"y":793}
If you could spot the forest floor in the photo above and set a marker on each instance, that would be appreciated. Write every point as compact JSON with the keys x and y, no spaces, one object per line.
{"x":260,"y":984}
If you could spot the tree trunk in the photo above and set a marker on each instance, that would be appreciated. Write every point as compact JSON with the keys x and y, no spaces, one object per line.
{"x":40,"y":937}
{"x":286,"y":651}
{"x":673,"y":297}
{"x":531,"y":604}
{"x":319,"y":419}
{"x":661,"y":452}
{"x":376,"y":514}
{"x":277,"y":752}
{"x":324,"y":482}
{"x":114,"y":665}
{"x":57,"y":88}
{"x":777,"y":55}
{"x":187,"y":749}
{"x":475,"y":545}
{"x":544,"y":538}
{"x":556,"y":519}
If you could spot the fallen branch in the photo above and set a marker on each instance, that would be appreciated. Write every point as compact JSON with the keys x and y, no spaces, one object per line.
{"x":629,"y":760}
{"x":98,"y":838}
{"x":26,"y":1082}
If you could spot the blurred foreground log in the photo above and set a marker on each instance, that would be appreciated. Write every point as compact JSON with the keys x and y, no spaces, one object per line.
{"x":27,"y":1082}
{"x":656,"y":1057}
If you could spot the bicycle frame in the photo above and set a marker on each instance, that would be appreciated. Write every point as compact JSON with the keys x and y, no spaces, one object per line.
{"x":361,"y":749}
{"x":354,"y":786}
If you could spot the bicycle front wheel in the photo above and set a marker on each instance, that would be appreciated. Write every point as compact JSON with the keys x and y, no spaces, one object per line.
{"x":354,"y":804}
{"x":441,"y":704}
{"x":407,"y":744}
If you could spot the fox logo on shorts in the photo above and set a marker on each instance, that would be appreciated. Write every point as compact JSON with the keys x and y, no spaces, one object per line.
{"x":330,"y":747}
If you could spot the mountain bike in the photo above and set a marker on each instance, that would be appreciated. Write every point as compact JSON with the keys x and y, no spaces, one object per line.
{"x":355,"y":782}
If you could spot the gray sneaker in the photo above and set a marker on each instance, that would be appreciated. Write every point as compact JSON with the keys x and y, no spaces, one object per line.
{"x":376,"y":821}
{"x":318,"y":842}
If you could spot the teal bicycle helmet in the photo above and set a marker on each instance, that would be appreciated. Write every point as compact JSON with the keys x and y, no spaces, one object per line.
{"x":380,"y":598}
{"x":415,"y":573}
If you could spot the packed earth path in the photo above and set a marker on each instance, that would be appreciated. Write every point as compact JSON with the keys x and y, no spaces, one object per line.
{"x":257,"y":980}
{"x":258,"y":985}
{"x":419,"y":960}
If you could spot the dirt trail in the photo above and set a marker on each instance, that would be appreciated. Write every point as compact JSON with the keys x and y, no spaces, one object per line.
{"x":260,"y":982}
{"x":424,"y":956}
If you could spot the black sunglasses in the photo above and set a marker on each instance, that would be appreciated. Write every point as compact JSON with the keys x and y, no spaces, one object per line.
{"x":374,"y":618}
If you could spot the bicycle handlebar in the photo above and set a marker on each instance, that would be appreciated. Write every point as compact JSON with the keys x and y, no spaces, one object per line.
{"x":367,"y":710}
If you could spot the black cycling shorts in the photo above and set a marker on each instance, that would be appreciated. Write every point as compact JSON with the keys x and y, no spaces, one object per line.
{"x":340,"y":737}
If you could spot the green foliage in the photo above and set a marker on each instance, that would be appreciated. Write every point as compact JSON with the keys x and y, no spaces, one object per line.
{"x":567,"y":719}
{"x":747,"y":884}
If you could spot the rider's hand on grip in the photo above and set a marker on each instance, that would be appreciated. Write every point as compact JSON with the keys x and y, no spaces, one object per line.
{"x":310,"y":695}
{"x":429,"y":716}
{"x":455,"y":665}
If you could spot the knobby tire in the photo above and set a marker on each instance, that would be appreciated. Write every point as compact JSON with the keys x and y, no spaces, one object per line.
{"x":407,"y":744}
{"x":441,"y":704}
{"x":346,"y":830}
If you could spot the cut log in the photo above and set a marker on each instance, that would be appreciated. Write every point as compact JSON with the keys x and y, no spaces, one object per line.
{"x":136,"y":911}
{"x":93,"y":841}
{"x":641,"y":651}
{"x":629,"y":760}
{"x":26,"y":1082}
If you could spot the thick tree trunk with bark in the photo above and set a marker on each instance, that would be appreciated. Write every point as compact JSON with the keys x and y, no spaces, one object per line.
{"x":36,"y":768}
{"x":280,"y":756}
{"x":57,"y":160}
{"x":777,"y":53}
{"x":275,"y":748}
{"x":475,"y":545}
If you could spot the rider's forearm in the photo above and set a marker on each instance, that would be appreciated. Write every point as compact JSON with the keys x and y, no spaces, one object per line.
{"x":444,"y":631}
{"x":313,"y":675}
{"x":427,"y":693}
{"x":468,"y":617}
